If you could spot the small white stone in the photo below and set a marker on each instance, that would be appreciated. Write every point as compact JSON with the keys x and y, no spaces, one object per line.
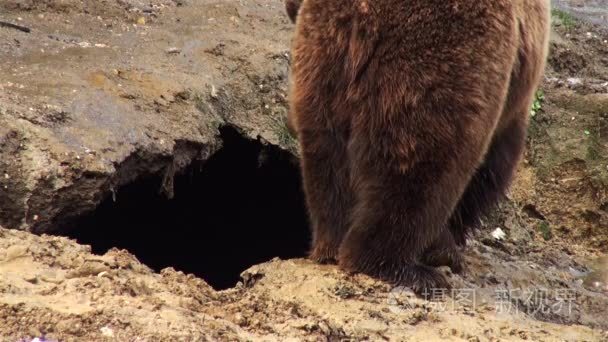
{"x":498,"y":234}
{"x":105,"y":331}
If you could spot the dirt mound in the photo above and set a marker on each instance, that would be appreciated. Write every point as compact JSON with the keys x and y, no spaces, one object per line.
{"x":54,"y":287}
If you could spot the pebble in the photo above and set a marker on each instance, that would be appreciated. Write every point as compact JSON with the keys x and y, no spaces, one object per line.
{"x":104,"y":274}
{"x":51,"y":277}
{"x":499,"y":234}
{"x":173,"y":50}
{"x":89,"y":268}
{"x":31,"y":278}
{"x":240,"y":320}
{"x":107,"y":332}
{"x":14,"y":252}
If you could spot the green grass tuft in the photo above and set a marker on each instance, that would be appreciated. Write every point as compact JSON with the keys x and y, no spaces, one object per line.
{"x":593,"y":145}
{"x":545,"y":230}
{"x":565,"y":19}
{"x":537,"y":105}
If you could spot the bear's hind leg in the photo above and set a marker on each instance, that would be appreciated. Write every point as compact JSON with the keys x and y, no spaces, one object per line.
{"x":407,"y":179}
{"x":326,"y":185}
{"x":400,"y":209}
{"x":389,"y":233}
{"x":491,"y":181}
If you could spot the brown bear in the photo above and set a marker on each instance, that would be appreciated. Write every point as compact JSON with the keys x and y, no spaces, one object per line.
{"x":411,"y":117}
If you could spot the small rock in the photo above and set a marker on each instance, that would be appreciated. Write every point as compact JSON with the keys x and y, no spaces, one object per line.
{"x":251,"y":277}
{"x":499,"y":234}
{"x":182,"y":95}
{"x":240,"y":320}
{"x":213,"y":92}
{"x":88,"y":268}
{"x":104,"y":274}
{"x":31,"y":279}
{"x":161,"y":102}
{"x":173,"y":50}
{"x":324,"y":328}
{"x":51,"y":277}
{"x":574,"y":81}
{"x":14,"y":252}
{"x":107,"y":332}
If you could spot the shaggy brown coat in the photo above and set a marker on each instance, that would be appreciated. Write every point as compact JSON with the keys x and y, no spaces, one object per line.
{"x":411,"y":117}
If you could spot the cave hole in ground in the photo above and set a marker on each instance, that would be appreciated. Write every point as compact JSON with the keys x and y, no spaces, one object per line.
{"x":241,"y":207}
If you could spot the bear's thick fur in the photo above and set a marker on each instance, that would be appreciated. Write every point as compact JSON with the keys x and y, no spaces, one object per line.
{"x":411,"y":117}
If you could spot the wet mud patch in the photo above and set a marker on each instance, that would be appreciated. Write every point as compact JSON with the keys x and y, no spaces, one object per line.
{"x":241,"y":207}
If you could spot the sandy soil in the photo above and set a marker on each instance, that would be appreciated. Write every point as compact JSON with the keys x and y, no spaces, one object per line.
{"x":100,"y":93}
{"x":52,"y":286}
